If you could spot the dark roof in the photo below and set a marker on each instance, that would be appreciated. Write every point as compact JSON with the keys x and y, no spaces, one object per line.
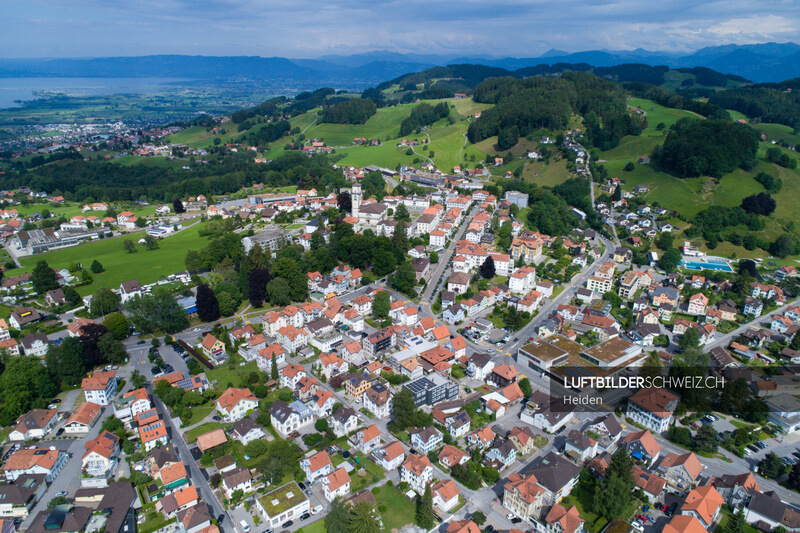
{"x":553,"y":472}
{"x":62,"y":518}
{"x":480,"y":359}
{"x":116,"y":503}
{"x":344,"y":414}
{"x":236,"y":477}
{"x":245,"y":426}
{"x":280,"y":410}
{"x":21,"y":490}
{"x":163,"y":455}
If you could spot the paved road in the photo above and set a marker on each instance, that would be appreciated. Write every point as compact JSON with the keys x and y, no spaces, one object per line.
{"x":429,"y":295}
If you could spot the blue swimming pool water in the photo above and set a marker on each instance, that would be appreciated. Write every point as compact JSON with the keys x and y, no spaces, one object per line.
{"x":697,"y":265}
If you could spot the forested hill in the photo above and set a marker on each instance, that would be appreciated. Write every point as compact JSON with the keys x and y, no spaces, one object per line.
{"x":444,"y":82}
{"x":539,"y":102}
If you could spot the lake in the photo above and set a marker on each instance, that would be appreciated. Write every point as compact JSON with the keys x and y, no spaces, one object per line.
{"x":12,"y":89}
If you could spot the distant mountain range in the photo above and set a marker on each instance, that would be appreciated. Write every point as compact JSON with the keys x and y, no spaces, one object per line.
{"x":757,"y":62}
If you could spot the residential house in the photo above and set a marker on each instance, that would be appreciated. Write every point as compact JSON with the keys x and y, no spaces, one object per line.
{"x":100,"y":387}
{"x":101,"y":455}
{"x":417,"y":471}
{"x":426,"y":440}
{"x":235,"y":403}
{"x":390,"y":456}
{"x":31,"y":461}
{"x":445,"y":495}
{"x":336,"y":484}
{"x":652,"y":408}
{"x":344,"y":421}
{"x":642,"y":446}
{"x":316,"y":465}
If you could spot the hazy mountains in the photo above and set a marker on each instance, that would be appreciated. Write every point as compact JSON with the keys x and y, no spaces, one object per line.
{"x":758,"y":62}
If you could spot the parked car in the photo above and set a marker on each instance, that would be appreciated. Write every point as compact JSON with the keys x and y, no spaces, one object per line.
{"x":61,"y":493}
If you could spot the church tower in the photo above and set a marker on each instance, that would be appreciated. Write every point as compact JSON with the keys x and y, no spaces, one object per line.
{"x":355,"y":199}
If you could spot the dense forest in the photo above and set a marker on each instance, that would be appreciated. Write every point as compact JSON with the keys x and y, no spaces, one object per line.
{"x":770,"y":102}
{"x":424,"y":115}
{"x":111,"y":181}
{"x":707,"y":148}
{"x":523,"y":106}
{"x":351,"y":111}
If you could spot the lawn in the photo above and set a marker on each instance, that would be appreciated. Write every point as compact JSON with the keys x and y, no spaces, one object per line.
{"x":227,"y":373}
{"x":191,"y":435}
{"x":198,"y":414}
{"x":400,"y":510}
{"x":146,"y":266}
{"x":316,"y":527}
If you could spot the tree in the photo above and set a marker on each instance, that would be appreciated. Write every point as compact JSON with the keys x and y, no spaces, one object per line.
{"x":794,"y":477}
{"x":665,"y":241}
{"x":112,"y":350}
{"x":795,"y":344}
{"x":137,"y":380}
{"x":58,"y":500}
{"x":257,"y":286}
{"x":71,"y":296}
{"x":207,"y":304}
{"x":525,"y":387}
{"x":487,"y":268}
{"x":158,"y":310}
{"x":652,"y":366}
{"x":66,"y":361}
{"x":177,"y":206}
{"x":405,"y":279}
{"x":434,"y":257}
{"x":629,"y":167}
{"x":338,"y":518}
{"x":424,"y":514}
{"x":279,"y":292}
{"x":43,"y":278}
{"x":104,"y":301}
{"x":772,"y":466}
{"x":364,"y":519}
{"x":321,"y":425}
{"x":736,"y":523}
{"x":118,"y":325}
{"x":400,"y":240}
{"x":344,"y":202}
{"x":150,"y":242}
{"x":613,"y":496}
{"x":669,"y":260}
{"x":129,"y":246}
{"x":96,"y":267}
{"x":479,"y":518}
{"x":274,"y":371}
{"x":402,"y":213}
{"x":381,"y":305}
{"x":759,"y":204}
{"x":785,"y":245}
{"x":689,"y":339}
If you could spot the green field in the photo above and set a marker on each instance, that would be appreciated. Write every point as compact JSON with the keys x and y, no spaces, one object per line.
{"x":657,"y":113}
{"x":778,"y":132}
{"x":146,"y":266}
{"x":384,"y":123}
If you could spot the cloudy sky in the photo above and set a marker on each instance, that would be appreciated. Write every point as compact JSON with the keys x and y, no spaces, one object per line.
{"x":310,"y":28}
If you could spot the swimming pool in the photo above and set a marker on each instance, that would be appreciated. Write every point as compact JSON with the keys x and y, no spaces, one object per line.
{"x":699,"y":265}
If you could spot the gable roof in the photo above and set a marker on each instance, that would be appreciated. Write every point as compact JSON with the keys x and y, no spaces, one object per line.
{"x":213,"y":438}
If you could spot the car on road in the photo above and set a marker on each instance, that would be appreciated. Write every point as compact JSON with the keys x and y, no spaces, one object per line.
{"x":61,"y":493}
{"x":287,"y":524}
{"x":56,"y":400}
{"x":59,"y":432}
{"x":489,"y":528}
{"x":305,"y":516}
{"x":516,"y":520}
{"x":141,"y":342}
{"x":216,"y":418}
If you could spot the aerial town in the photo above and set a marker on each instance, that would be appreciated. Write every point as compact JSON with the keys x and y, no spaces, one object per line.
{"x":446,"y":406}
